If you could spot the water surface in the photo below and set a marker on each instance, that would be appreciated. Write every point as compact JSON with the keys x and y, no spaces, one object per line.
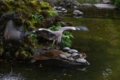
{"x":101,"y":44}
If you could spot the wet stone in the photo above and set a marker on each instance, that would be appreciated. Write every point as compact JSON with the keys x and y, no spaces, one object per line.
{"x":81,"y":60}
{"x":67,"y":54}
{"x":71,"y":59}
{"x":73,"y":51}
{"x":74,"y":54}
{"x":63,"y":56}
{"x":66,"y":49}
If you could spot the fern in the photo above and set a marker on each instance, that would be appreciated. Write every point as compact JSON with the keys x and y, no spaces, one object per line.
{"x":66,"y":42}
{"x":37,"y":17}
{"x":55,"y":27}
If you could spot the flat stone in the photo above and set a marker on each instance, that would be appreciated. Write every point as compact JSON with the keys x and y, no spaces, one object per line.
{"x":105,"y":6}
{"x":67,"y":54}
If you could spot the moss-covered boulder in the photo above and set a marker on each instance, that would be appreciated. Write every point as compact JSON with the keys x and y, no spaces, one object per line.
{"x":31,"y":14}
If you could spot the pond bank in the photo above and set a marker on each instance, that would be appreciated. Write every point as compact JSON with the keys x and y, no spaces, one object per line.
{"x":93,"y":12}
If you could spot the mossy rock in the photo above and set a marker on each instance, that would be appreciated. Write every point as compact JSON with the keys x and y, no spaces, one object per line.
{"x":32,"y":15}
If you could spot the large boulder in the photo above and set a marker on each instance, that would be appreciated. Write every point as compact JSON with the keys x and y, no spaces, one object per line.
{"x":57,"y":57}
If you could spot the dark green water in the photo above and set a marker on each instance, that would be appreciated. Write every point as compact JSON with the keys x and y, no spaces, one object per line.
{"x":101,"y":44}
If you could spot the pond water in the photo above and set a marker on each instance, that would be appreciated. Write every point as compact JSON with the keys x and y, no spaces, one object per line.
{"x":101,"y":44}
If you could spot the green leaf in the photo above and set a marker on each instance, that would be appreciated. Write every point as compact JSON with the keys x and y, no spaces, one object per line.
{"x":37,"y":16}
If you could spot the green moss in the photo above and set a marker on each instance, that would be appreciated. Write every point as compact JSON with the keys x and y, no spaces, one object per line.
{"x":34,"y":3}
{"x":45,"y":5}
{"x":31,"y":14}
{"x":52,"y":12}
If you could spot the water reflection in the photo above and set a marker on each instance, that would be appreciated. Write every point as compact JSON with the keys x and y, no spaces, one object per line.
{"x":31,"y":72}
{"x":11,"y":76}
{"x":107,"y":73}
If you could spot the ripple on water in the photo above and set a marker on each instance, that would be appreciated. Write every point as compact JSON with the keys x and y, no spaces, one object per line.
{"x":11,"y":76}
{"x":107,"y":73}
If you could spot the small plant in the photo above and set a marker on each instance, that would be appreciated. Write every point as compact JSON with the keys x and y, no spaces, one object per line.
{"x":66,"y":39}
{"x":37,"y":16}
{"x":52,"y":13}
{"x":55,"y":27}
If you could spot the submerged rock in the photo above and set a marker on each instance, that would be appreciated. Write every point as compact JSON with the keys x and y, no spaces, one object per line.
{"x":77,"y":14}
